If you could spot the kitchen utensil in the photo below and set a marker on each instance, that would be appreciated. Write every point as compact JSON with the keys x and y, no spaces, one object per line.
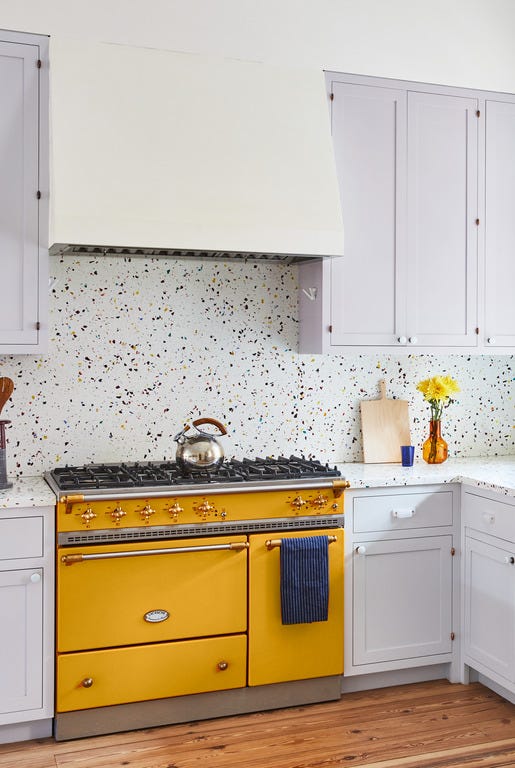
{"x":385,"y":427}
{"x":201,"y":451}
{"x":6,"y":390}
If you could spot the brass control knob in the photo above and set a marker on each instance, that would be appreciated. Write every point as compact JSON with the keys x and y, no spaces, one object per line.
{"x":87,"y":516}
{"x":298,"y":502}
{"x":205,"y":508}
{"x":117,"y":514}
{"x":87,"y":682}
{"x":319,"y":501}
{"x":146,"y":513}
{"x":222,"y":665}
{"x":175,"y":510}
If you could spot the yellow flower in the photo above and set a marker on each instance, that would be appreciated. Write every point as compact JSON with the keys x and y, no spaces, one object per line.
{"x":437,"y":391}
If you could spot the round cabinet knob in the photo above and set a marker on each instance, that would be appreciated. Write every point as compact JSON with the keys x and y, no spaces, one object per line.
{"x":509,"y":560}
{"x":87,"y":682}
{"x":413,"y":340}
{"x":35,"y":578}
{"x":361,"y":549}
{"x":491,"y":340}
{"x":222,"y":665}
{"x":402,"y":339}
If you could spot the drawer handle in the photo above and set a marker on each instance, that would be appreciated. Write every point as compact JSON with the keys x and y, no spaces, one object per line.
{"x":35,"y":578}
{"x":236,"y":546}
{"x":87,"y":682}
{"x":509,"y":560}
{"x":488,"y":517}
{"x":222,"y":665}
{"x":403,"y":513}
{"x":361,"y":549}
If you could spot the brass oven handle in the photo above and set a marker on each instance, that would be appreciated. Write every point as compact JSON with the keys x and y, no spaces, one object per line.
{"x":79,"y":558}
{"x":272,"y":543}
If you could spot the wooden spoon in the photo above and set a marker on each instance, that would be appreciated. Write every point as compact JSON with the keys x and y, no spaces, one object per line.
{"x":6,"y":390}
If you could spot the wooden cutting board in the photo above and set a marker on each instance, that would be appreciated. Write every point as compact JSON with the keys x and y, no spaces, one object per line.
{"x":385,"y":427}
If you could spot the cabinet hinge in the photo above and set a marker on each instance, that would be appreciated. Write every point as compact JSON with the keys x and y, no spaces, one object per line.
{"x":478,"y":113}
{"x":38,"y":325}
{"x":477,"y":222}
{"x":452,"y":635}
{"x":38,"y":194}
{"x":330,"y":329}
{"x":38,"y":63}
{"x":453,"y":551}
{"x":331,"y":96}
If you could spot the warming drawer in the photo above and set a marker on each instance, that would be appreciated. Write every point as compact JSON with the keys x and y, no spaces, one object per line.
{"x":122,"y":675}
{"x":144,"y":598}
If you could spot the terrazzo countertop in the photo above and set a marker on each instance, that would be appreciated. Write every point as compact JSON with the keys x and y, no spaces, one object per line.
{"x":496,"y":473}
{"x":27,"y":492}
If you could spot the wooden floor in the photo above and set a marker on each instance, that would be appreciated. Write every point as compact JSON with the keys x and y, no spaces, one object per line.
{"x":427,"y":725}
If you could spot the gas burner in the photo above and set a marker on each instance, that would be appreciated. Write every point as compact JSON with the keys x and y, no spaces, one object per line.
{"x":164,"y":474}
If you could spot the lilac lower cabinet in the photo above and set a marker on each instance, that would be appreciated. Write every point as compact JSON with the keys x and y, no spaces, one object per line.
{"x":401,"y":583}
{"x":26,"y":610}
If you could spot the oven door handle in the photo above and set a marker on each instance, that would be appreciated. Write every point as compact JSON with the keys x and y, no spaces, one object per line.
{"x":80,"y":558}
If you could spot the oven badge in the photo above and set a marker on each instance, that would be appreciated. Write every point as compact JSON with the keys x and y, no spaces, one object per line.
{"x":157,"y":615}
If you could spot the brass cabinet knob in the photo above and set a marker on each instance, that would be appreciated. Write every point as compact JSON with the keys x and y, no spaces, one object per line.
{"x":222,"y":665}
{"x":319,"y":501}
{"x":175,"y":510}
{"x":87,"y":682}
{"x":87,"y":516}
{"x":298,"y":502}
{"x":146,"y":513}
{"x":117,"y":514}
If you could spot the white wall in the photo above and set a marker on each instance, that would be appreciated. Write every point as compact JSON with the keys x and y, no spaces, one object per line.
{"x":456,"y":42}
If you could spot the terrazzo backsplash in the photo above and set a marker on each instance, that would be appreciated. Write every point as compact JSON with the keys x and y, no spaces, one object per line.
{"x":139,"y":347}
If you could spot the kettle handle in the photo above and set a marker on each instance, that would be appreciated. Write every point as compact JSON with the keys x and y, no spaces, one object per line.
{"x":214,"y":422}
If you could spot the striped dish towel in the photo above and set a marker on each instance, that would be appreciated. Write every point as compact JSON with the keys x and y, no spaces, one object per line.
{"x":304,"y":579}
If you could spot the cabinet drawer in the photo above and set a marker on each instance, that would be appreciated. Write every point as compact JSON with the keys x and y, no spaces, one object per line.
{"x":405,"y":511}
{"x":21,"y":537}
{"x":494,"y":517}
{"x":139,"y":673}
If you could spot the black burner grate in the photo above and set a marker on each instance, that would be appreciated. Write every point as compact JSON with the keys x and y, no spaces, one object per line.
{"x":155,"y":474}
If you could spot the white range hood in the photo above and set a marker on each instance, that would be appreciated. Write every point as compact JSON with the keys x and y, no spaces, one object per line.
{"x":165,"y":153}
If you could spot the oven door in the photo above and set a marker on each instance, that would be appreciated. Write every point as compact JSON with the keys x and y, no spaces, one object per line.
{"x":279,"y":652}
{"x":127,"y":594}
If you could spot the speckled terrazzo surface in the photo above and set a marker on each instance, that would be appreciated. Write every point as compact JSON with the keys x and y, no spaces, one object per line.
{"x":138,"y":347}
{"x":27,"y":492}
{"x":494,"y":474}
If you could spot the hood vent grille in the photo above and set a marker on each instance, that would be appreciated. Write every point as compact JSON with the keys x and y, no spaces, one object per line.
{"x":95,"y":251}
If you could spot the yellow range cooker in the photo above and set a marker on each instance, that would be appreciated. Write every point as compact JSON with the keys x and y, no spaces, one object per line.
{"x":168,"y":592}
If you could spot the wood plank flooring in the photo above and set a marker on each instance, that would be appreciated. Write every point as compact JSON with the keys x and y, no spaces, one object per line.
{"x":427,"y":725}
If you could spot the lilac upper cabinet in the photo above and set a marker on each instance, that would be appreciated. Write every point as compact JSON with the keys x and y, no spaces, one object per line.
{"x":499,"y":267}
{"x":407,"y":163}
{"x":23,"y":192}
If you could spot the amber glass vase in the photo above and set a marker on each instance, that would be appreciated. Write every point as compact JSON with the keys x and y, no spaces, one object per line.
{"x":434,"y":450}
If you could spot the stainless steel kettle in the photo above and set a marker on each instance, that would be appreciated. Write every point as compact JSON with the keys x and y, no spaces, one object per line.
{"x":201,"y":451}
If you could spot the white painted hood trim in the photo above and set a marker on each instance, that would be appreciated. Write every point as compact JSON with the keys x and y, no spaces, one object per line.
{"x":153,"y":149}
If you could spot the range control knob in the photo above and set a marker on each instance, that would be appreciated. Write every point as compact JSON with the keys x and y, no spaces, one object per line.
{"x":319,"y":502}
{"x":146,"y":513}
{"x":87,"y":516}
{"x":117,"y":514}
{"x":298,"y":502}
{"x":175,"y":510}
{"x":204,"y":508}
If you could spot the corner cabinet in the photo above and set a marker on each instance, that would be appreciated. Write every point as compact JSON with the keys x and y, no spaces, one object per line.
{"x":23,"y":192}
{"x":400,"y":578}
{"x":427,"y":251}
{"x":26,"y":608}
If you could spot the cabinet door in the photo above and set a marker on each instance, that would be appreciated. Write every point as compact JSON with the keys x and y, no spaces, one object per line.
{"x":369,"y":135}
{"x":490,"y":607}
{"x":442,"y":212}
{"x":402,"y":599}
{"x":21,"y":661}
{"x":19,"y":204}
{"x":500,"y":224}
